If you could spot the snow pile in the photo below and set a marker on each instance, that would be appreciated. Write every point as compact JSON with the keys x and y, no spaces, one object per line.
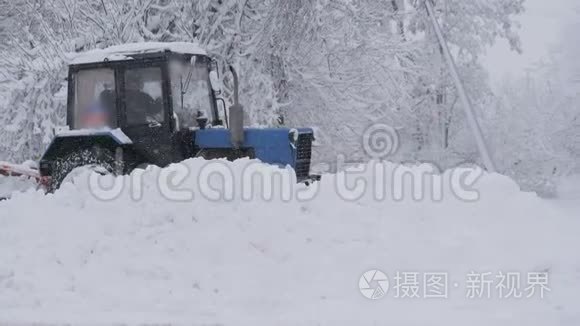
{"x":9,"y":185}
{"x":117,"y":134}
{"x":569,"y":187}
{"x":151,"y":253}
{"x":22,"y":177}
{"x":125,"y":51}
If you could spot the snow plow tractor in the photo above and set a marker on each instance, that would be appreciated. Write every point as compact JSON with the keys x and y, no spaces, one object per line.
{"x":155,"y":104}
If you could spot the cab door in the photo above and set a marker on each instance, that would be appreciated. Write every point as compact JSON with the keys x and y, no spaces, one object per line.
{"x":145,"y":115}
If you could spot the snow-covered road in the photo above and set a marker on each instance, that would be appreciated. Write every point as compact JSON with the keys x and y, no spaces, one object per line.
{"x":146,"y":258}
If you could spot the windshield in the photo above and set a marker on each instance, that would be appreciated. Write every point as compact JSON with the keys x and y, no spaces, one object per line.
{"x":95,"y":97}
{"x":191,"y":91}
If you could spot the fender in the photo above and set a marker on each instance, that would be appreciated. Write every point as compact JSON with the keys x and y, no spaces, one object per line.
{"x":70,"y":141}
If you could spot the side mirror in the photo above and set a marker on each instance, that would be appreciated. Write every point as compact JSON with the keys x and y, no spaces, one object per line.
{"x":222,"y":106}
{"x":216,"y":83}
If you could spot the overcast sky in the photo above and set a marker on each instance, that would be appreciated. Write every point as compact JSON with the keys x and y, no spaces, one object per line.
{"x":542,"y":25}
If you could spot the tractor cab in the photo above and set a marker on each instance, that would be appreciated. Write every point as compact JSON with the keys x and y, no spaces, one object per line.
{"x":154,"y":81}
{"x":157,"y":103}
{"x":150,"y":91}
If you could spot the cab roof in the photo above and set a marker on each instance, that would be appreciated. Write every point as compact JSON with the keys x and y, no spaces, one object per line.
{"x":130,"y":50}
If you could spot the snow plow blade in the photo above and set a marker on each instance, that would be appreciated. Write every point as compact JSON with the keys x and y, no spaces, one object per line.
{"x":18,"y":177}
{"x":18,"y":170}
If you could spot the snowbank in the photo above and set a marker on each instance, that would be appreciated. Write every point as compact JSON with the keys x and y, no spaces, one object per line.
{"x":569,"y":187}
{"x":22,"y":177}
{"x":144,"y":255}
{"x":125,"y":51}
{"x":9,"y":185}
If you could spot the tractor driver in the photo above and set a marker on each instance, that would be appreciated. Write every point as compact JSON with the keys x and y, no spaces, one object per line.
{"x":141,"y":107}
{"x":100,"y":112}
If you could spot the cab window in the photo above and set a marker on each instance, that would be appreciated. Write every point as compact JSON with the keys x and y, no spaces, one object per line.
{"x":144,"y":96}
{"x":191,"y":91}
{"x":95,"y":99}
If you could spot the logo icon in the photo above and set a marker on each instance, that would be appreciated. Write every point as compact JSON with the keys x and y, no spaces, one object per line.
{"x":374,"y":284}
{"x":380,"y":141}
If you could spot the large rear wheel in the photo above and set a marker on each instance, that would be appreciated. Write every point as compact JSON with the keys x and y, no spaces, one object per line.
{"x":96,"y":159}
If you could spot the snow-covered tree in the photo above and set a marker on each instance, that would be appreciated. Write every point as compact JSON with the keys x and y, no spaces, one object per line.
{"x":469,"y":27}
{"x":536,"y":119}
{"x":338,"y":65}
{"x":33,"y":60}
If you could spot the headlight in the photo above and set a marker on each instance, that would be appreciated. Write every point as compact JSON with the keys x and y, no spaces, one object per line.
{"x":293,"y":136}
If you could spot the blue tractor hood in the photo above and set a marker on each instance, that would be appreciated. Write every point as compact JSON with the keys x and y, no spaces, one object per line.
{"x":277,"y":146}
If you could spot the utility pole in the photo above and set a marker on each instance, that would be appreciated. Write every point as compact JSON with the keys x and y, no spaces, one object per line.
{"x":469,"y":112}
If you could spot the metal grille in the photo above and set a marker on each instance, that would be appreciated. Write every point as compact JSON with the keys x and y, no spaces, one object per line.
{"x":303,"y":155}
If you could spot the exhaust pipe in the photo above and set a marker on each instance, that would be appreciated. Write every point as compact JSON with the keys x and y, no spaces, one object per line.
{"x":236,"y":115}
